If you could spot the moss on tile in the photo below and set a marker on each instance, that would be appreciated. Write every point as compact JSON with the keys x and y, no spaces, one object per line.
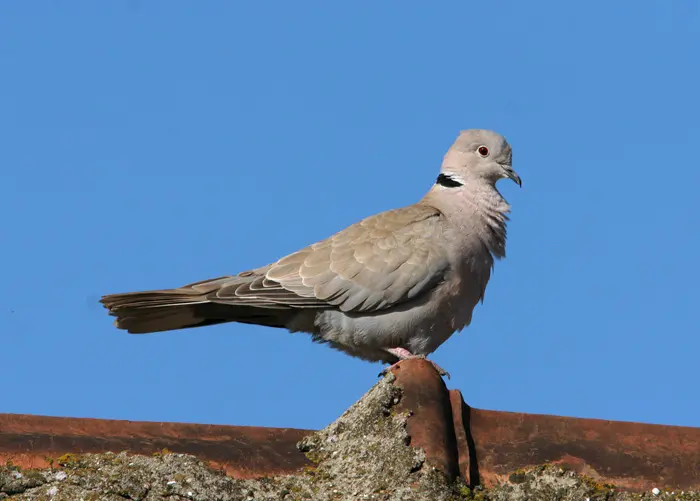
{"x":363,"y":455}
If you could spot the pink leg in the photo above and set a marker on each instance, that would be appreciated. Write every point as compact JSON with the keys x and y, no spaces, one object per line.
{"x":401,"y":353}
{"x":404,"y":354}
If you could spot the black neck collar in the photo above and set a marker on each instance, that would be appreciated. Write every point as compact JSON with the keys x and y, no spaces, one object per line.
{"x":447,"y":181}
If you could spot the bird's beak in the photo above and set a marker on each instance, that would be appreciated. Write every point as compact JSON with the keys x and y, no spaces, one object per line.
{"x":511,"y":174}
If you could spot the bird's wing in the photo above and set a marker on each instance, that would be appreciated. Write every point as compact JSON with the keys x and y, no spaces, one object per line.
{"x":380,"y":262}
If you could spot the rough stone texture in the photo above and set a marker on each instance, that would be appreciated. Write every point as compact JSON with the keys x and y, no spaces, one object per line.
{"x":365,"y":454}
{"x":550,"y":482}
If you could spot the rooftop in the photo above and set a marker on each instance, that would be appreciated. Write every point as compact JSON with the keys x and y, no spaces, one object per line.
{"x":409,"y":410}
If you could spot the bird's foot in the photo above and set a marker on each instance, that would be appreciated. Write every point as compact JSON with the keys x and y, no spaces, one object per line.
{"x":404,"y":354}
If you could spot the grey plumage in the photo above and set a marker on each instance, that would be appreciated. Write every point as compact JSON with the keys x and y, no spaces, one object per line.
{"x":395,"y":285}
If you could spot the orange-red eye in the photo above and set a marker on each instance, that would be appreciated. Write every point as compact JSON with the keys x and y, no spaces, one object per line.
{"x":483,"y":151}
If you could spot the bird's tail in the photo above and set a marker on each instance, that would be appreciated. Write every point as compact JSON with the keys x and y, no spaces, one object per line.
{"x":195,"y":305}
{"x":186,"y":307}
{"x":160,"y":310}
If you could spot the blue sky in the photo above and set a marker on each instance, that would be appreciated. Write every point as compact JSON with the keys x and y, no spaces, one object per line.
{"x":148,"y":144}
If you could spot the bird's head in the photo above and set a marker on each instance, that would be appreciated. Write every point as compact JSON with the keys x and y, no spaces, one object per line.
{"x":478,"y":154}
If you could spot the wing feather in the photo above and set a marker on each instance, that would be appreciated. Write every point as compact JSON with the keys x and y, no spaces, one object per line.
{"x":380,"y":262}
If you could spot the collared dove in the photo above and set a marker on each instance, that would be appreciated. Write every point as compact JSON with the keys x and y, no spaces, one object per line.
{"x":393,"y":286}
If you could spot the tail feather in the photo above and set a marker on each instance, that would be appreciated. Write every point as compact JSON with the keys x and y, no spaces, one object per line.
{"x":145,"y":322}
{"x":173,"y":309}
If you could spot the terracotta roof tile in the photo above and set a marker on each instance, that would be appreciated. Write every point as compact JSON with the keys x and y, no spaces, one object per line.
{"x":481,"y":446}
{"x":242,"y":451}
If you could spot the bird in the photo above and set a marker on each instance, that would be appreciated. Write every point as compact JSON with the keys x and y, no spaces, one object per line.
{"x":391,"y":287}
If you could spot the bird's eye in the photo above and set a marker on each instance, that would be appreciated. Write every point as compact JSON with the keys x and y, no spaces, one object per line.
{"x":483,"y":151}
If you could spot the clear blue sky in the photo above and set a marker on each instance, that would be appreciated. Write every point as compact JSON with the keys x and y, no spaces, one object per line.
{"x":148,"y":144}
